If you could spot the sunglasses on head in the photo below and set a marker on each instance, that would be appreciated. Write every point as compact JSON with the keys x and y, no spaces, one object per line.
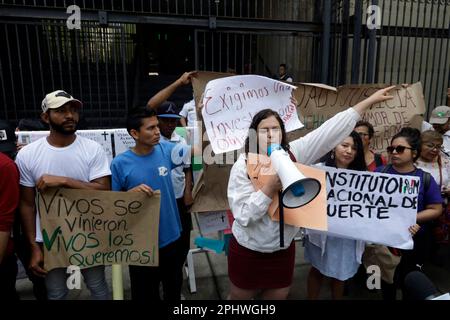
{"x":398,"y":149}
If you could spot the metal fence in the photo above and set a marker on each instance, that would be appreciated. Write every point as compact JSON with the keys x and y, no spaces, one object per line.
{"x":253,"y":9}
{"x":324,"y":41}
{"x":91,"y":64}
{"x":412,"y":44}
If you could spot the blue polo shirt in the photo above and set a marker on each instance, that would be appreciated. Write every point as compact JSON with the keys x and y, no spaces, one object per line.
{"x":130,"y":170}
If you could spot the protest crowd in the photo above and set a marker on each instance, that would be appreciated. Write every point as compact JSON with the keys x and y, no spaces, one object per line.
{"x":159,"y":166}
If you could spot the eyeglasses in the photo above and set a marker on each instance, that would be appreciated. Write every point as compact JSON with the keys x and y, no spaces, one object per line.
{"x":434,"y":146}
{"x":362,"y":134}
{"x":398,"y":149}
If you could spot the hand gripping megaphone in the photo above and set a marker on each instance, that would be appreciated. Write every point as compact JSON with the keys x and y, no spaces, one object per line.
{"x":297,"y":191}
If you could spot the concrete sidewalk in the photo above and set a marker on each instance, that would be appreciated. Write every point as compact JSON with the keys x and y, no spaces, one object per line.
{"x":212,"y":280}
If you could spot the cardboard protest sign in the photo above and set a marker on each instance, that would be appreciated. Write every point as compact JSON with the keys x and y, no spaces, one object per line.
{"x":370,"y":206}
{"x":88,"y":228}
{"x":229,"y":105}
{"x":312,"y":215}
{"x":317,"y":103}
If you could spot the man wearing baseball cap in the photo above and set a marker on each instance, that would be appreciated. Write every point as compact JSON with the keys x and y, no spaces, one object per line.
{"x":440,"y":119}
{"x":9,"y":200}
{"x":62,"y":159}
{"x":181,"y":176}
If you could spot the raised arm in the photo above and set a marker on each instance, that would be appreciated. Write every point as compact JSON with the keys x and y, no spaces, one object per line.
{"x":165,"y":93}
{"x":321,"y":140}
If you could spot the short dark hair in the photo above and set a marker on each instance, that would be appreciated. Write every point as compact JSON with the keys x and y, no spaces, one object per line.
{"x":283,"y":65}
{"x":359,"y":163}
{"x":368,"y":125}
{"x":260,"y":116}
{"x":135,"y":116}
{"x":412,"y":136}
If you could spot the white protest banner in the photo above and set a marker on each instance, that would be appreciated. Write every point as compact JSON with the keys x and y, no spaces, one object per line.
{"x":210,"y":222}
{"x":229,"y":105}
{"x":370,"y":206}
{"x":122,"y":141}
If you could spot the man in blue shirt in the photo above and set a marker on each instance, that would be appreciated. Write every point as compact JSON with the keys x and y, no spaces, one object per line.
{"x":145,"y":168}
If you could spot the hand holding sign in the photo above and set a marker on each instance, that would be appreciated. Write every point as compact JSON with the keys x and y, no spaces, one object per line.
{"x":49,"y":181}
{"x":143,"y":188}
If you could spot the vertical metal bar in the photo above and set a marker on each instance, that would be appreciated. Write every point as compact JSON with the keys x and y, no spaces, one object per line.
{"x":124,"y":66}
{"x":344,"y":47}
{"x":197,"y":67}
{"x":20,"y":66}
{"x":439,"y":66}
{"x":422,"y":42}
{"x":395,"y":38}
{"x":371,"y":51}
{"x":428,"y":93}
{"x":204,"y":52}
{"x":58,"y":51}
{"x":212,"y":52}
{"x":106,"y":47}
{"x":97,"y":57}
{"x":243,"y":51}
{"x":416,"y":35}
{"x":387,"y":43}
{"x":441,"y":38}
{"x":409,"y":38}
{"x":356,"y":51}
{"x":235,"y":52}
{"x":11,"y":72}
{"x":220,"y":52}
{"x":87,"y":39}
{"x":326,"y":40}
{"x":228,"y":51}
{"x":68,"y":54}
{"x":30,"y":64}
{"x":3,"y":81}
{"x":116,"y":80}
{"x":401,"y":41}
{"x":77,"y":51}
{"x":50,"y":56}
{"x":250,"y":54}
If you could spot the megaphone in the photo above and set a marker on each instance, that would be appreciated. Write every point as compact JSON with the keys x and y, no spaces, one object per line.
{"x":298,"y":190}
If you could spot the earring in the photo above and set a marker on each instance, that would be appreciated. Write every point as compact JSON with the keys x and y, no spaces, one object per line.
{"x":332,"y":155}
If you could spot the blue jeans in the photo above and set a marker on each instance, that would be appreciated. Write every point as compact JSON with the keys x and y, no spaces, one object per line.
{"x":56,"y":282}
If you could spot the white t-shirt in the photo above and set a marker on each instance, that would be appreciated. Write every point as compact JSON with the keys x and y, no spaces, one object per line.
{"x":83,"y":160}
{"x":189,"y":113}
{"x":178,"y":176}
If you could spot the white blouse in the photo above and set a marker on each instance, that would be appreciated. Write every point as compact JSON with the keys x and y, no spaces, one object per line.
{"x":253,"y":228}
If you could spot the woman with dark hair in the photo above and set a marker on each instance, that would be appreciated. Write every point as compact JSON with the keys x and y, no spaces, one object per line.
{"x":335,"y":258}
{"x":404,"y":150}
{"x":366,"y":132}
{"x":256,"y":262}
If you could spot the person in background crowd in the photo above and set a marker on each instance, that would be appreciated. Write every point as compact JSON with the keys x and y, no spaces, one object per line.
{"x":432,"y":161}
{"x":366,"y":132}
{"x":188,"y":114}
{"x":62,"y":159}
{"x":181,"y":176}
{"x":440,"y":119}
{"x":282,"y":75}
{"x":9,"y":201}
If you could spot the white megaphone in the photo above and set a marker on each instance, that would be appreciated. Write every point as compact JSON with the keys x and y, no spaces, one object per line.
{"x":298,"y":190}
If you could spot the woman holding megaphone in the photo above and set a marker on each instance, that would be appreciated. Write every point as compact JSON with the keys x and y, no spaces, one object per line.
{"x":256,"y":263}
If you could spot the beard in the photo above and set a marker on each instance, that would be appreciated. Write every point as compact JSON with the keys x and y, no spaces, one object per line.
{"x":60,"y":128}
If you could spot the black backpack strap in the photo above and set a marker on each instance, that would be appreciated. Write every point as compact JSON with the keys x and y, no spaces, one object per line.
{"x":378,"y":160}
{"x":386,"y":168}
{"x":426,"y":181}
